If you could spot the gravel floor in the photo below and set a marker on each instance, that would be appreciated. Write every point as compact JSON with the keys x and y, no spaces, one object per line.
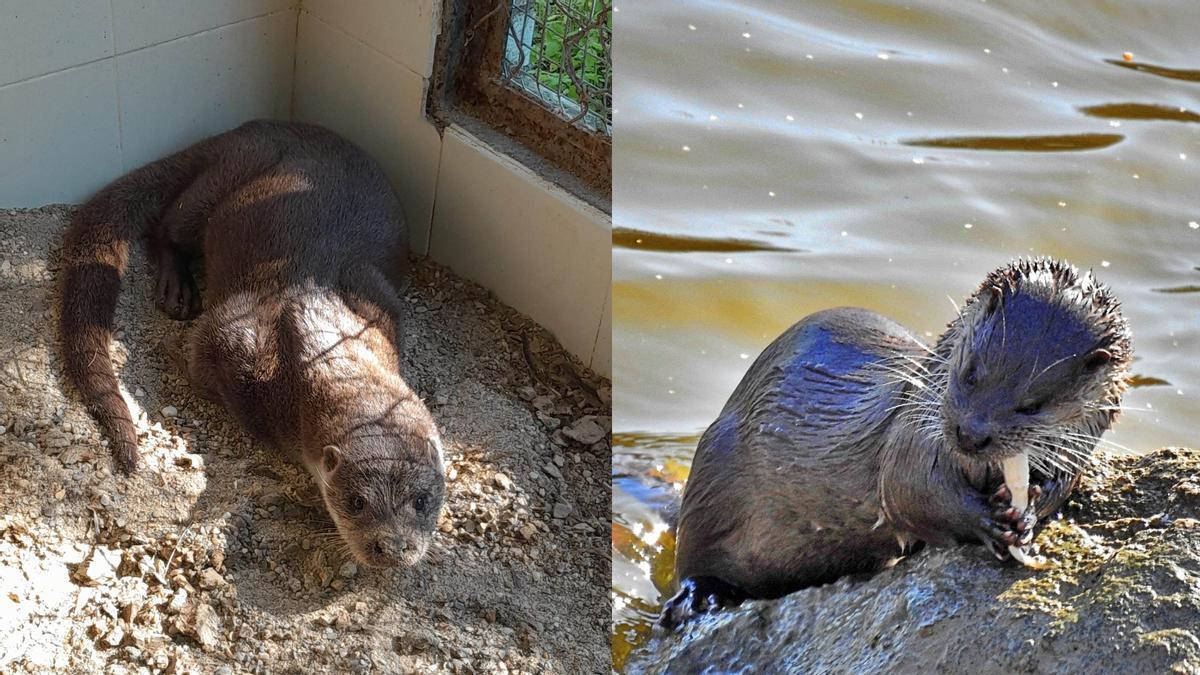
{"x":215,"y":556}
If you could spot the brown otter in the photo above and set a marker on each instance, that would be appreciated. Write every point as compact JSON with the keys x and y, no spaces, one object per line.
{"x":849,"y":443}
{"x":303,"y":244}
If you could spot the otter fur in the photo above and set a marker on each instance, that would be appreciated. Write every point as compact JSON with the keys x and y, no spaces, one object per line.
{"x":849,"y":443}
{"x":303,"y":245}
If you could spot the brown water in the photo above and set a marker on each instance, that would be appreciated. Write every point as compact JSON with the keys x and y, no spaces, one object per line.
{"x":776,"y":158}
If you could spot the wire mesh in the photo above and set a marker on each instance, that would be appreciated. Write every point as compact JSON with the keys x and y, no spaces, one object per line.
{"x":560,"y":52}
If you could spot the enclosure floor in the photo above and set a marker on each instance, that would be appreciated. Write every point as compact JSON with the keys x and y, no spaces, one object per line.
{"x":215,"y":557}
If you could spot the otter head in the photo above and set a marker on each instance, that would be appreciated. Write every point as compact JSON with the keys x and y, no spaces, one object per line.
{"x":384,"y":494}
{"x":1036,"y":362}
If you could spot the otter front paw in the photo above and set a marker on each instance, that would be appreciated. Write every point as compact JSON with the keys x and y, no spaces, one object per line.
{"x":175,"y":292}
{"x":696,"y":596}
{"x":1006,"y":525}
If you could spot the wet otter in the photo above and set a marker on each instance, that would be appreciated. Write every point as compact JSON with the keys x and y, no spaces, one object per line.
{"x":848,"y":443}
{"x":303,"y":245}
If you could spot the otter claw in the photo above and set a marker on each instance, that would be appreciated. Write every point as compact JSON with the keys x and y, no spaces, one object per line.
{"x":1008,"y":526}
{"x":1001,"y":496}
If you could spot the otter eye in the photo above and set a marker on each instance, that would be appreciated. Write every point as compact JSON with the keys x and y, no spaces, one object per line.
{"x":421,"y":503}
{"x":357,"y":504}
{"x":971,"y":377}
{"x":1031,"y":408}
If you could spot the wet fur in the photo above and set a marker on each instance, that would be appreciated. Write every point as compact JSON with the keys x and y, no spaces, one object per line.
{"x":303,"y":245}
{"x":834,"y":455}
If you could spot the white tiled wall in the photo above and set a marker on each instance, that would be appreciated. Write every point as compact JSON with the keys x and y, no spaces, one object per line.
{"x":89,"y":88}
{"x":58,"y":136}
{"x":376,"y":102}
{"x":535,"y":246}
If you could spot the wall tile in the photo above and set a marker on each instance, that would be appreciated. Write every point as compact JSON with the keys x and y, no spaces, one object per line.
{"x":404,"y":31}
{"x":537,"y":248}
{"x":176,"y":93}
{"x":140,"y":23}
{"x":378,"y":104}
{"x":41,"y":36}
{"x":602,"y":356}
{"x":58,"y":137}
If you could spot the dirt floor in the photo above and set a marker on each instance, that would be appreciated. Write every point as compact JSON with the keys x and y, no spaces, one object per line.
{"x":212,"y":558}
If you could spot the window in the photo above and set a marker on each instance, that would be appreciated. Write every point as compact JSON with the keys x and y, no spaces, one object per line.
{"x":534,"y":79}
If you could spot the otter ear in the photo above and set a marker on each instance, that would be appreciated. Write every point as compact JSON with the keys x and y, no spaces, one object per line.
{"x":331,"y":457}
{"x":434,"y":447}
{"x":1097,"y":359}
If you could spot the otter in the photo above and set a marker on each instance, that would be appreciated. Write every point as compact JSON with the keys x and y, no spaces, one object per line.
{"x":303,"y":245}
{"x":849,"y":443}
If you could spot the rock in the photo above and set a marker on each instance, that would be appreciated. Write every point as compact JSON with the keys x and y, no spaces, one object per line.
{"x":502,"y":481}
{"x":552,"y":471}
{"x":562,"y":510}
{"x":349,"y":570}
{"x":210,"y":578}
{"x":207,"y":626}
{"x":170,"y":411}
{"x":585,"y":430}
{"x":115,"y":636}
{"x":99,"y":567}
{"x":178,"y":601}
{"x":1122,"y":597}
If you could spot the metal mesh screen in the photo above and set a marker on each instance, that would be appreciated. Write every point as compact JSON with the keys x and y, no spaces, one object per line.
{"x":560,"y":52}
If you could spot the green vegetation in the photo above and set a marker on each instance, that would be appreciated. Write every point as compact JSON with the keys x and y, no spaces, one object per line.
{"x":558,"y":29}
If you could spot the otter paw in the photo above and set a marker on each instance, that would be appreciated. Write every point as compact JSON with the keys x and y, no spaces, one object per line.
{"x":696,"y":596}
{"x":1006,"y":525}
{"x":175,"y":291}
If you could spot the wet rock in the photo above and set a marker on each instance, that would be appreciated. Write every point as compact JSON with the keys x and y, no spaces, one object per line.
{"x":1122,"y":597}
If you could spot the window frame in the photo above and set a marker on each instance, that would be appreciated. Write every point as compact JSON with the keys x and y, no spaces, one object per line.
{"x":467,"y":88}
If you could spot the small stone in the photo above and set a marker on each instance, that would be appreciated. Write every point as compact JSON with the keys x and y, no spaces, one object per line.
{"x":139,"y":393}
{"x":552,"y":471}
{"x":562,"y":510}
{"x":348,"y":570}
{"x":100,"y":567}
{"x":528,"y":532}
{"x":210,"y":578}
{"x":585,"y":430}
{"x":178,"y":601}
{"x":502,"y":481}
{"x":57,"y":440}
{"x":115,"y":636}
{"x":207,"y":627}
{"x":170,"y":411}
{"x":342,"y":618}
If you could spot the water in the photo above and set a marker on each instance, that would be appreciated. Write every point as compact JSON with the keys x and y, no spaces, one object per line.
{"x":776,"y":158}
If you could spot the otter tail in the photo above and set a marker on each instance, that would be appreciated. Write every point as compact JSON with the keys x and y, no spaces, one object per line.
{"x":94,"y":255}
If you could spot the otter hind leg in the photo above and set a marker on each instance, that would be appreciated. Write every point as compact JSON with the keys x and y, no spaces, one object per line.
{"x":699,"y":595}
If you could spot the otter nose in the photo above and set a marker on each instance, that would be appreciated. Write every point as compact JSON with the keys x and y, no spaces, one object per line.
{"x":390,"y":547}
{"x":973,"y":437}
